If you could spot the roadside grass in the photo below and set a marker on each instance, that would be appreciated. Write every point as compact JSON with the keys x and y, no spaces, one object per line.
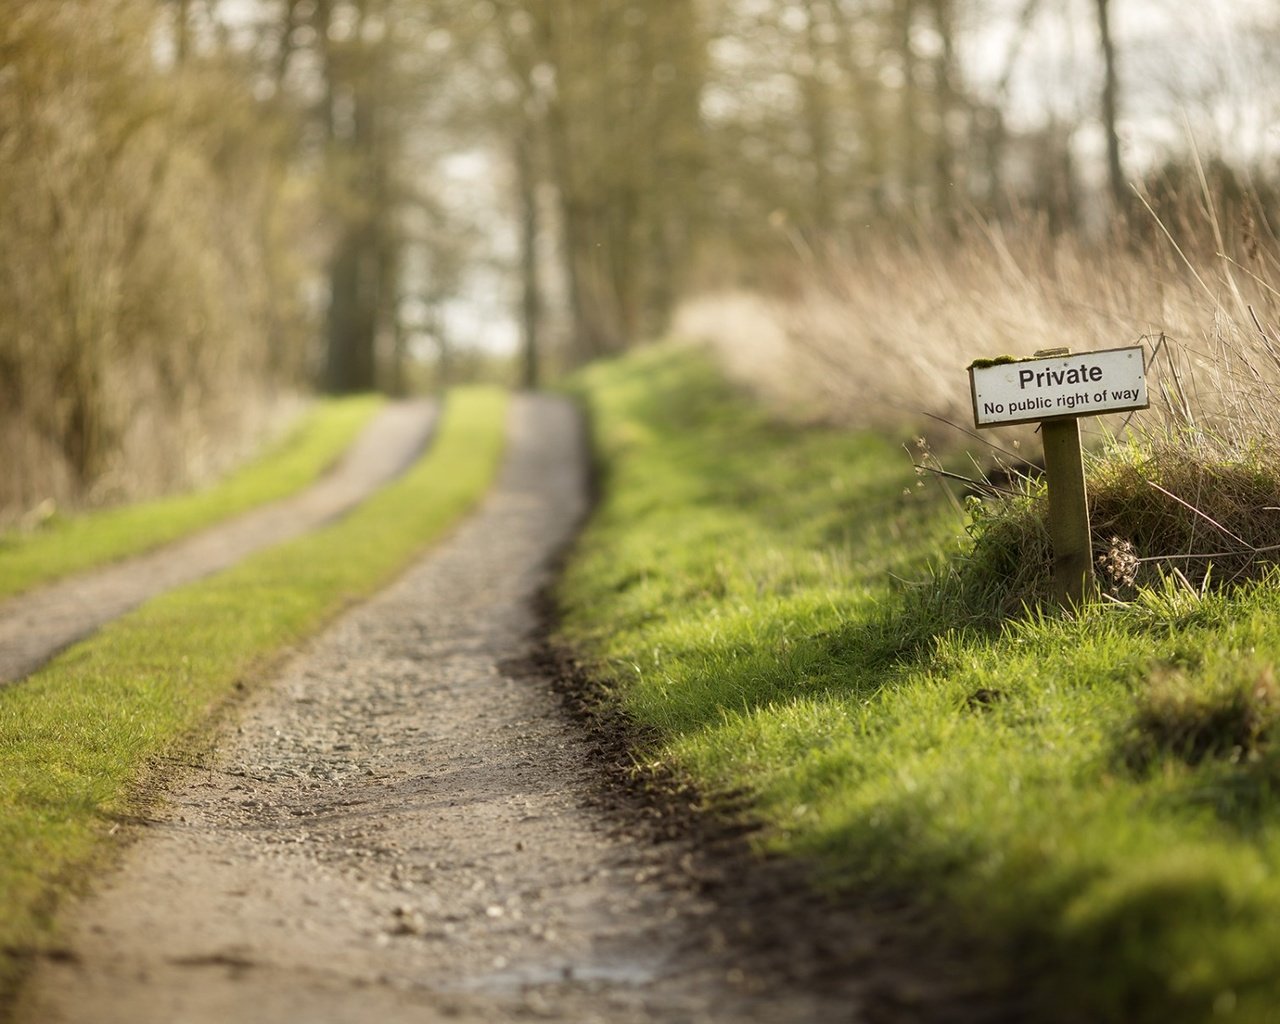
{"x":1093,"y":801}
{"x":79,"y":738}
{"x":63,"y":546}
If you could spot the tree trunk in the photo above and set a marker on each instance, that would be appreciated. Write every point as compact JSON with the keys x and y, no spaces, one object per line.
{"x":817,"y":116}
{"x":908,"y":108}
{"x":530,"y":299}
{"x":1110,"y":104}
{"x":356,"y":288}
{"x":865,"y":99}
{"x":944,"y":157}
{"x":182,"y":31}
{"x":350,"y":348}
{"x":288,"y":26}
{"x":328,"y":71}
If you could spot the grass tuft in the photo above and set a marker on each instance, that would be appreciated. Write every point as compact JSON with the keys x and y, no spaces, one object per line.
{"x":1157,"y":517}
{"x":1191,"y":504}
{"x":1231,"y":717}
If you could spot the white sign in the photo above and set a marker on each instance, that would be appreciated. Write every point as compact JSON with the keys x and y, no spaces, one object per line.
{"x":1086,"y":384}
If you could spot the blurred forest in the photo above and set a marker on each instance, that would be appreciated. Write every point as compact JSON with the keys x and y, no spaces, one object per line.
{"x":208,"y":206}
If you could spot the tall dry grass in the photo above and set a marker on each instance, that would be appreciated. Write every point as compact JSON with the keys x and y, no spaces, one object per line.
{"x":150,"y":307}
{"x":879,"y":333}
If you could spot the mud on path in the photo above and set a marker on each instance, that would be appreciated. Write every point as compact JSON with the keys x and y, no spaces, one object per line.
{"x":36,"y":625}
{"x":408,"y":825}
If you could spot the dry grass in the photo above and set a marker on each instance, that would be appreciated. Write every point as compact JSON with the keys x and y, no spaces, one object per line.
{"x":881,"y":336}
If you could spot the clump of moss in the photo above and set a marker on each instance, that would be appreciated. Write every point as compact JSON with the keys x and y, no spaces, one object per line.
{"x":1231,"y":717}
{"x":983,"y":364}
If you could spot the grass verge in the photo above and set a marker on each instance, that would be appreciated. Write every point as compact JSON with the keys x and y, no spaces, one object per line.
{"x":79,"y":736}
{"x":65,"y":546}
{"x":1093,"y":801}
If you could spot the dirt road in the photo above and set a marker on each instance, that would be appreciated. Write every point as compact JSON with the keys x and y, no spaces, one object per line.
{"x":408,"y":826}
{"x":36,"y":625}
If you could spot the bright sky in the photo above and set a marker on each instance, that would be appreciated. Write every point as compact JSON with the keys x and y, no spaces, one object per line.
{"x":1202,"y":63}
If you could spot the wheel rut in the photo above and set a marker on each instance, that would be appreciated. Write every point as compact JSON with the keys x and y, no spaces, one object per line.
{"x":409,"y":825}
{"x":36,"y":625}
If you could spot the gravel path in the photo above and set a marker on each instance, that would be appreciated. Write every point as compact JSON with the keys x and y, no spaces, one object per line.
{"x":407,"y":826}
{"x":36,"y":625}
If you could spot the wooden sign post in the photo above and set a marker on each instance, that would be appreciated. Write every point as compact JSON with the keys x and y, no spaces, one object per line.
{"x":1055,"y":388}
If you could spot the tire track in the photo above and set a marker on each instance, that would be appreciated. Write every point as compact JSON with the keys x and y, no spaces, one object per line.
{"x":38,"y":624}
{"x":406,"y":827}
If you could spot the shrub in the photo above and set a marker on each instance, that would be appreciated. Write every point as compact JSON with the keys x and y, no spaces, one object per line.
{"x":147,"y":311}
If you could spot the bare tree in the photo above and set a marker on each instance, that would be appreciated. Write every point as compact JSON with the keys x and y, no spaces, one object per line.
{"x":1110,"y":105}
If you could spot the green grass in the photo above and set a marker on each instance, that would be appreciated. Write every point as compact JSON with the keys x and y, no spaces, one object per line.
{"x":1092,"y":801}
{"x":64,"y":546}
{"x":77,"y":737}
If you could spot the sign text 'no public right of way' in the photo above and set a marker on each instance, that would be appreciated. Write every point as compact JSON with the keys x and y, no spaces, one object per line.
{"x":1087,"y":384}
